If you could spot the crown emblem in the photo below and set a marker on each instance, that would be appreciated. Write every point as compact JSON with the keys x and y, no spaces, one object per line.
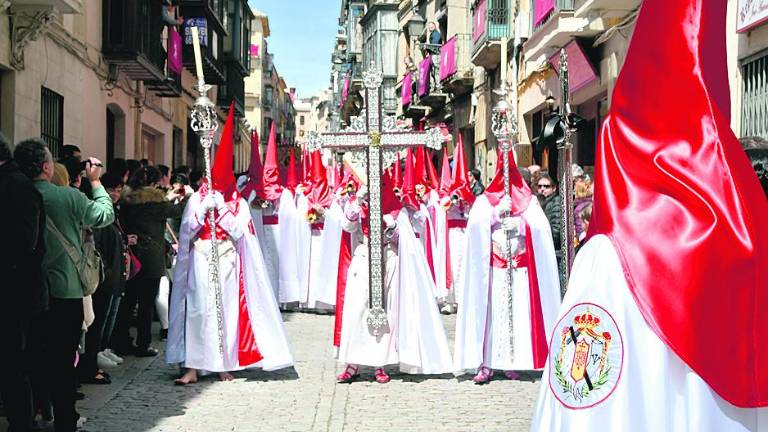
{"x":586,"y":321}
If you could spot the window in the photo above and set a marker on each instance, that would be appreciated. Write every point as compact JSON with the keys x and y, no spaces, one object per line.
{"x":301,"y":120}
{"x":52,"y":120}
{"x":754,"y":103}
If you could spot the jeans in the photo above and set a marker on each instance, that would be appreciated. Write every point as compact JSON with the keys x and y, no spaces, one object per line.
{"x":142,"y":291}
{"x":88,"y":365}
{"x":109,"y":324}
{"x":14,"y":382}
{"x":65,"y":322}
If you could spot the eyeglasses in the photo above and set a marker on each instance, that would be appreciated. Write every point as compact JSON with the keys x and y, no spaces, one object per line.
{"x":544,"y":186}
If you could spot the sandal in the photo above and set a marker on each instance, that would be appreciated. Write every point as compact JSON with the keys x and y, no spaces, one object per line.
{"x":511,"y":375}
{"x":483,"y":376}
{"x":349,"y":374}
{"x":381,"y":376}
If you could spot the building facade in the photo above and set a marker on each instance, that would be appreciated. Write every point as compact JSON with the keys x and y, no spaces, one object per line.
{"x":98,"y":74}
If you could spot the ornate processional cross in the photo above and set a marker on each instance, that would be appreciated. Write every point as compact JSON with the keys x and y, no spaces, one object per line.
{"x":374,"y":141}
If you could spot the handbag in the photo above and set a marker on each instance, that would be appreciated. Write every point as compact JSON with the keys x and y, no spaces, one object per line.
{"x":132,"y":264}
{"x":87,"y":260}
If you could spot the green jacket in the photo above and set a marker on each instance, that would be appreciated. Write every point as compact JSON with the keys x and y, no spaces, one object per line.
{"x":71,"y":211}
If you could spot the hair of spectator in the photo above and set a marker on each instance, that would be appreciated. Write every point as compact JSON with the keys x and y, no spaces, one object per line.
{"x":164,"y":170}
{"x":133,"y":165}
{"x":753,"y":142}
{"x":144,"y":177}
{"x":111,"y":180}
{"x":69,"y":151}
{"x":5,"y":148}
{"x":30,"y":155}
{"x":180,"y":178}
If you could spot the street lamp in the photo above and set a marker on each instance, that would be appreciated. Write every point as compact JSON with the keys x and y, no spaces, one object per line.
{"x":416,"y":23}
{"x":550,"y":101}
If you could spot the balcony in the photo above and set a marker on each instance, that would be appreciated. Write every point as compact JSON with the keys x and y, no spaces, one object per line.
{"x":490,"y":23}
{"x":169,"y":87}
{"x":132,"y":38}
{"x":209,"y":16}
{"x":233,"y":88}
{"x":555,"y":23}
{"x":63,"y":6}
{"x":428,"y":91}
{"x":456,"y":73}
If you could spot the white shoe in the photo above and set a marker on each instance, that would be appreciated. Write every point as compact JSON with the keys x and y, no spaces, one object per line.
{"x":447,"y":309}
{"x":81,"y":422}
{"x":104,"y":362}
{"x":112,"y":356}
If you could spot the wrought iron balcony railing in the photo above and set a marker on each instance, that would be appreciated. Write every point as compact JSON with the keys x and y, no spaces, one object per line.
{"x":491,"y":21}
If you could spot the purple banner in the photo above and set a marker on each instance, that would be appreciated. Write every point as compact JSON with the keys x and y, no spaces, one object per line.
{"x":255,"y":50}
{"x":406,"y":92}
{"x":448,"y":58}
{"x":424,"y":68}
{"x":478,"y":21}
{"x":344,"y":91}
{"x":174,"y":50}
{"x":541,"y":10}
{"x":580,"y":69}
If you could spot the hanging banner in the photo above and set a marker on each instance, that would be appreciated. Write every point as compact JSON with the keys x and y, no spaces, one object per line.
{"x":407,"y":91}
{"x":541,"y":10}
{"x":255,"y":50}
{"x":174,"y":50}
{"x":202,"y":28}
{"x":580,"y":69}
{"x":478,"y":21}
{"x":448,"y":59}
{"x":344,"y":92}
{"x":424,"y":68}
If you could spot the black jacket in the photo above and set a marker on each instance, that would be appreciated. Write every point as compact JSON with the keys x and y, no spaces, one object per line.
{"x":111,"y":246}
{"x":24,"y":290}
{"x":553,"y":211}
{"x":144,"y":212}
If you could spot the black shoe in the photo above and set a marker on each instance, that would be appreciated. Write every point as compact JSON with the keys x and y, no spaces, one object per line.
{"x":145,"y":352}
{"x":163,"y":334}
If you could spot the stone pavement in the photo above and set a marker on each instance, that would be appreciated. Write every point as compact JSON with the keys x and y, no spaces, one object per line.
{"x":143,"y":397}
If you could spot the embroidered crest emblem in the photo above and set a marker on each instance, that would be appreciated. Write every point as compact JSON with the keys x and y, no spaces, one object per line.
{"x":587,"y":357}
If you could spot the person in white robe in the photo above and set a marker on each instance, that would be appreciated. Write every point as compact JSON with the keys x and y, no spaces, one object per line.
{"x":494,"y":331}
{"x":661,"y":328}
{"x":415,"y":338}
{"x":251,"y":330}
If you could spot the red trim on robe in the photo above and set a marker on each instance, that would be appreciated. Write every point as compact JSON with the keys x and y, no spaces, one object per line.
{"x":270,"y":220}
{"x":429,"y":251}
{"x":345,"y":258}
{"x":448,"y":268}
{"x":538,"y":335}
{"x":457,"y":223}
{"x":247,"y":351}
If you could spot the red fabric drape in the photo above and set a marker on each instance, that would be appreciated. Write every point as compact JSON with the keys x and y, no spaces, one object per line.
{"x":247,"y":351}
{"x":345,"y":258}
{"x":538,"y":334}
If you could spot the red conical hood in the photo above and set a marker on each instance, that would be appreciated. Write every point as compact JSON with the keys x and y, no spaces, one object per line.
{"x":255,"y":170}
{"x":397,"y":177}
{"x":292,"y":181}
{"x":320,"y":192}
{"x":445,"y":174}
{"x":420,"y":168}
{"x":460,"y":185}
{"x":679,"y":200}
{"x":390,"y":204}
{"x":306,"y":168}
{"x":272,"y":188}
{"x":223,"y":176}
{"x":432,"y":181}
{"x":519,"y":192}
{"x":408,"y":188}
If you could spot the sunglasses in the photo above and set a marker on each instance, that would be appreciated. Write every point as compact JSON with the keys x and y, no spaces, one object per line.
{"x":544,"y":186}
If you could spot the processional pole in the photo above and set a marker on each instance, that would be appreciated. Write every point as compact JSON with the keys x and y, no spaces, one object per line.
{"x":203,"y":120}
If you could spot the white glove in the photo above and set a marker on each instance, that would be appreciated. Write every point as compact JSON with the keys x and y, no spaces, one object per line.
{"x":362,"y":191}
{"x":389,"y":221}
{"x":219,"y":198}
{"x":352,"y":210}
{"x":209,"y":203}
{"x":511,"y":224}
{"x":420,"y":216}
{"x":504,"y":205}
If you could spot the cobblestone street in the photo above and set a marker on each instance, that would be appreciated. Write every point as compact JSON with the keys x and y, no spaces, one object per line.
{"x":143,"y":397}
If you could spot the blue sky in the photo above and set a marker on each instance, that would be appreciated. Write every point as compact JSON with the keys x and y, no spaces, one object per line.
{"x":301,"y":37}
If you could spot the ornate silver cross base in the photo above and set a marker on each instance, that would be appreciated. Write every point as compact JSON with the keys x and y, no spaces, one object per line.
{"x":374,"y":142}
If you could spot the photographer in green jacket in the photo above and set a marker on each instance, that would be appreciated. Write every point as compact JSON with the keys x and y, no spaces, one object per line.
{"x":70,"y":211}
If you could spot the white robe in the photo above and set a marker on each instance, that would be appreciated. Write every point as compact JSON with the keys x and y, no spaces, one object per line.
{"x":482,"y":322}
{"x":457,"y":242}
{"x":439,"y":238}
{"x":416,"y":338}
{"x":648,"y":388}
{"x":324,"y":264}
{"x":193,"y":331}
{"x":304,"y":241}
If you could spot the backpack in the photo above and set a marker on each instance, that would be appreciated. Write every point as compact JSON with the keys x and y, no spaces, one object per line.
{"x":87,"y":261}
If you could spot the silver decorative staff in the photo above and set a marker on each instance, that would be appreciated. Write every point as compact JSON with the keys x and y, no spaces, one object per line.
{"x":504,"y":128}
{"x":203,"y":120}
{"x":373,"y":141}
{"x":565,"y":148}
